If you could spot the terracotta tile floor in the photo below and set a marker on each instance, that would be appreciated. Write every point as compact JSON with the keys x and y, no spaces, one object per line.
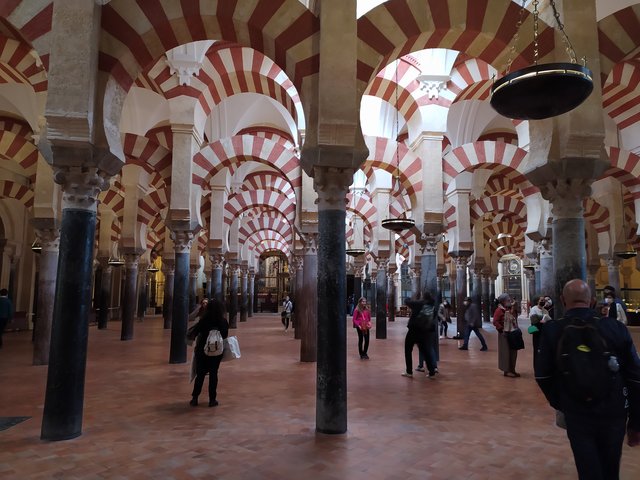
{"x":469,"y":423}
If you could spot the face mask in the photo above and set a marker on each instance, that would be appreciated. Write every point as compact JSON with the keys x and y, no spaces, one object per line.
{"x":466,"y":303}
{"x":608,"y":300}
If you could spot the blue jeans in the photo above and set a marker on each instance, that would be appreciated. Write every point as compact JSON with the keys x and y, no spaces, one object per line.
{"x":467,"y":334}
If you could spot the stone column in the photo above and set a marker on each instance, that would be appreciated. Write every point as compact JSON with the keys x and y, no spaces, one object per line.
{"x":251,"y":286}
{"x":415,"y":281}
{"x":373,"y":293}
{"x":547,"y":279}
{"x":167,"y":304}
{"x":461,"y":292}
{"x":592,"y":271}
{"x":531,"y":282}
{"x":233,"y":296}
{"x":613,"y":269}
{"x":299,"y":266}
{"x":193,"y":287}
{"x":307,"y":301}
{"x":217,"y":262}
{"x":64,"y":397}
{"x":391,"y":292}
{"x":492,"y":290}
{"x":243,"y":294}
{"x":331,"y":184}
{"x":105,"y":293}
{"x":143,"y":290}
{"x":49,"y":239}
{"x":381,"y":298}
{"x":486,"y":297}
{"x":476,"y":293}
{"x":129,"y":299}
{"x":182,"y":243}
{"x":452,"y":286}
{"x":429,"y":264}
{"x":357,"y":282}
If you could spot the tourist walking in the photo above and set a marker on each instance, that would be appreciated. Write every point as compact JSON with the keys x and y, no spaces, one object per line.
{"x":505,"y":322}
{"x":362,"y":324}
{"x":473,"y":321}
{"x":421,"y":330}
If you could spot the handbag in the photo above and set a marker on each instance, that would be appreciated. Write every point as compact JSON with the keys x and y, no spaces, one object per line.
{"x":231,"y":349}
{"x":515,"y":340}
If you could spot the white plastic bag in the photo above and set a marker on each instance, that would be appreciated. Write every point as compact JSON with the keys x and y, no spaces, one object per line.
{"x":231,"y":349}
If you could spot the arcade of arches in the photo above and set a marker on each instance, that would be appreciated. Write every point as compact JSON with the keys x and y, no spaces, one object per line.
{"x":157,"y":151}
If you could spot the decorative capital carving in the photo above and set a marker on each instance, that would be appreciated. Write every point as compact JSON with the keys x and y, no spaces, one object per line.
{"x":182,"y":240}
{"x":310,"y":243}
{"x":332,"y":185}
{"x":429,"y":244}
{"x":49,"y":239}
{"x":298,"y":262}
{"x":131,"y":260}
{"x":217,"y":260}
{"x":81,"y":186}
{"x":566,"y":196}
{"x":544,"y":248}
{"x":613,"y":263}
{"x":461,"y":262}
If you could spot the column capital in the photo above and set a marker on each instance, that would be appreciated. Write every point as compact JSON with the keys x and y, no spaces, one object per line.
{"x":131,"y":259}
{"x":332,"y":184}
{"x":310,"y":243}
{"x":182,"y":240}
{"x":613,"y":262}
{"x":544,"y":248}
{"x":252,"y":273}
{"x":48,"y":238}
{"x":80,"y":186}
{"x":461,"y":261}
{"x":217,"y":260}
{"x":298,"y":262}
{"x":168,"y":267}
{"x":566,"y":196}
{"x":429,"y":244}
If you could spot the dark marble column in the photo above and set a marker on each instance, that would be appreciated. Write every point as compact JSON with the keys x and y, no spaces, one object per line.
{"x":531,"y":282}
{"x":547,"y":279}
{"x":461,"y":292}
{"x":129,"y":299}
{"x":486,"y":298}
{"x":391,"y":294}
{"x":372,"y":292}
{"x":381,"y":299}
{"x":299,"y":266}
{"x":49,"y":240}
{"x":216,"y":277}
{"x":307,"y":303}
{"x":569,"y":254}
{"x":251,"y":286}
{"x":452,"y":286}
{"x":233,"y":296}
{"x":492,"y":292}
{"x":167,"y":304}
{"x":613,"y":271}
{"x":357,"y":284}
{"x":143,"y":291}
{"x":331,"y":385}
{"x":193,"y":287}
{"x":592,"y":271}
{"x":64,"y":397}
{"x":429,"y":269}
{"x":208,"y":275}
{"x":182,"y":242}
{"x":244,"y":303}
{"x":476,"y":293}
{"x":105,"y":294}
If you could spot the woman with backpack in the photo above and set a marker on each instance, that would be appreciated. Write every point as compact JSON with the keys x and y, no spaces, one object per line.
{"x":211,"y":319}
{"x":421,"y":329}
{"x":362,"y":323}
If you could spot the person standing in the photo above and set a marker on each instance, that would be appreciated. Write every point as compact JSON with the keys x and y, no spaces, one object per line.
{"x":6,"y":311}
{"x":444,"y":317}
{"x":419,"y":334}
{"x":505,"y":321}
{"x":473,"y":320}
{"x":595,"y":423}
{"x":212,"y":319}
{"x":616,"y":310}
{"x":287,"y":307}
{"x":362,"y":324}
{"x":538,"y":316}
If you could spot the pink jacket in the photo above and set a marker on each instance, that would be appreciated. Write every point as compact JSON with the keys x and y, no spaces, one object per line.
{"x":362,"y":319}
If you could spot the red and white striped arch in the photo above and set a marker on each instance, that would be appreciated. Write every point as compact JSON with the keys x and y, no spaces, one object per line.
{"x":265,"y":240}
{"x":162,"y":135}
{"x":22,"y":193}
{"x":18,"y":127}
{"x":487,"y":154}
{"x":596,"y":214}
{"x":625,"y":167}
{"x":18,"y":149}
{"x":29,"y":21}
{"x":113,"y":199}
{"x":269,"y":181}
{"x":393,"y":30}
{"x":468,"y":71}
{"x":150,"y":206}
{"x":231,"y":151}
{"x":18,"y":65}
{"x":385,"y":154}
{"x":618,"y":38}
{"x":245,"y":200}
{"x":270,"y":133}
{"x":620,"y":95}
{"x":508,"y":137}
{"x":149,"y":155}
{"x":498,"y":204}
{"x":503,"y":185}
{"x":274,"y":223}
{"x":136,"y":34}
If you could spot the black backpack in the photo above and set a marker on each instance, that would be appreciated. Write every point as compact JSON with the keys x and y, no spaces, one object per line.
{"x":425,"y":319}
{"x":587,"y":367}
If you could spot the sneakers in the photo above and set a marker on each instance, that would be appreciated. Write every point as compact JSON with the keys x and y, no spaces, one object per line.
{"x":463,"y":348}
{"x":194,"y":402}
{"x":432,"y":374}
{"x":420,"y":369}
{"x":408,"y":375}
{"x":213,"y":403}
{"x":365,"y":357}
{"x":484,"y":349}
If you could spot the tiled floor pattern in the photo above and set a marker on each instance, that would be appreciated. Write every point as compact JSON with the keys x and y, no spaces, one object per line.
{"x":468,"y":423}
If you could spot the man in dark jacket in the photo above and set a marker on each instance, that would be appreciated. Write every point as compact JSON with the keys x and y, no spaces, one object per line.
{"x":595,"y":429}
{"x":418,"y":335}
{"x":473,"y":320}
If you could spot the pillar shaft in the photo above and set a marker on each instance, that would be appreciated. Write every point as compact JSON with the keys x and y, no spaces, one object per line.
{"x":193,"y":287}
{"x":48,"y":266}
{"x":613,"y":270}
{"x":547,"y":279}
{"x":167,"y":307}
{"x":129,"y":299}
{"x":381,"y":301}
{"x":178,"y":350}
{"x":216,"y":278}
{"x":391,"y":296}
{"x":233,"y":297}
{"x":299,"y":265}
{"x":486,"y":299}
{"x":105,"y":295}
{"x":243,"y":296}
{"x":307,"y":301}
{"x":461,"y":292}
{"x":251,"y":287}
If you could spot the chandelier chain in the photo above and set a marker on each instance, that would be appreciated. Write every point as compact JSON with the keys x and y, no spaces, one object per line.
{"x":535,"y":31}
{"x":565,"y":38}
{"x":514,"y":40}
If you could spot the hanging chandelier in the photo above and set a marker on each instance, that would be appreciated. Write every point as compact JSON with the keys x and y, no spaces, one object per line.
{"x":542,"y":90}
{"x":401,"y":223}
